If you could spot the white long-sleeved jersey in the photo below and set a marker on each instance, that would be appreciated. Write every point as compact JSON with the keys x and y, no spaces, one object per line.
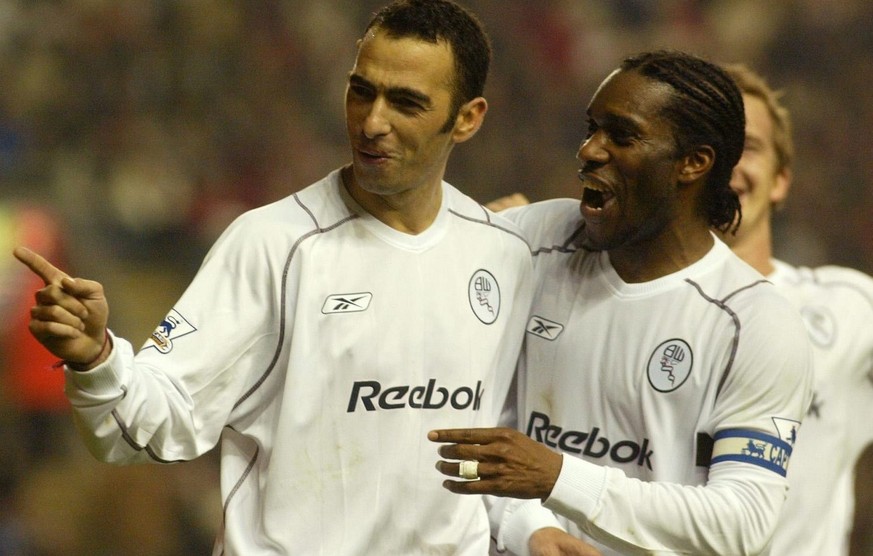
{"x":319,"y":346}
{"x":675,"y":402}
{"x":837,"y":306}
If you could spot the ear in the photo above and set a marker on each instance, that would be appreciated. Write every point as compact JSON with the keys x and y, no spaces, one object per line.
{"x":781,"y":185}
{"x":696,"y":164}
{"x":469,"y":119}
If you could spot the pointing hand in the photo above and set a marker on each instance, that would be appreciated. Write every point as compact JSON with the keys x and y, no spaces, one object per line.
{"x":70,"y":314}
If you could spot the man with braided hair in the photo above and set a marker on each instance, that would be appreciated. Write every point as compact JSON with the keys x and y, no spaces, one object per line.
{"x":663,"y":381}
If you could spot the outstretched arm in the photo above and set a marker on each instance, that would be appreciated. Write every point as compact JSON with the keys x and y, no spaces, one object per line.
{"x":70,"y":314}
{"x":626,"y":513}
{"x":509,"y":463}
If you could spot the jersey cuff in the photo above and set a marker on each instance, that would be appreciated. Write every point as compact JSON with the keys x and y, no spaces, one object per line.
{"x":578,"y":489}
{"x":521,"y":520}
{"x":103,"y":381}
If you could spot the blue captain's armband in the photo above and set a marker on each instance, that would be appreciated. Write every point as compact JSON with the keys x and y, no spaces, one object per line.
{"x":748,"y":446}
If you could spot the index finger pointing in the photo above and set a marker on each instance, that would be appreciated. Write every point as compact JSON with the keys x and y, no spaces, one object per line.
{"x":39,"y":265}
{"x":463,"y":436}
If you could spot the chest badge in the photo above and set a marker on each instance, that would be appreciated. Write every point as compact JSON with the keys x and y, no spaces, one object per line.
{"x":670,"y":365}
{"x":484,"y":294}
{"x":820,"y":324}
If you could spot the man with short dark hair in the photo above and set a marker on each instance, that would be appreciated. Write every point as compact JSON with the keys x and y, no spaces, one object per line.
{"x":326,"y":333}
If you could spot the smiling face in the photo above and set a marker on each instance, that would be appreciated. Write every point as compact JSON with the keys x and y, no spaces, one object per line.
{"x":398,"y":114}
{"x":630,"y":166}
{"x":757,"y":178}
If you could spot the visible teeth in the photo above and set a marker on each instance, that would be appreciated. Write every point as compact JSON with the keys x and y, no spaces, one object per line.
{"x":593,"y":197}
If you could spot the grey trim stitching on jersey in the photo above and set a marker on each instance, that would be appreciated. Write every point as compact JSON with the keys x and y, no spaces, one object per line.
{"x":723,"y":306}
{"x":485,"y":212}
{"x":752,"y":285}
{"x":491,"y":224}
{"x":319,"y":230}
{"x":841,"y":284}
{"x":850,"y":286}
{"x":125,"y":434}
{"x":237,"y":486}
{"x":278,"y":351}
{"x":280,"y":343}
{"x":567,"y":247}
{"x":307,"y":211}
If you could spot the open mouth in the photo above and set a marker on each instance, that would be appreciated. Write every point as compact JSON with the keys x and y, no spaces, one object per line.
{"x":595,"y":198}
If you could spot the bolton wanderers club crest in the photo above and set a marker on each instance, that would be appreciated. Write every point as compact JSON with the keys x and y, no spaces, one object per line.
{"x":484,"y":295}
{"x":670,"y":365}
{"x":820,"y":324}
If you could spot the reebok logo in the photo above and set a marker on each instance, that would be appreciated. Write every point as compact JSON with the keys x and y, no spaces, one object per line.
{"x":370,"y":395}
{"x":540,"y":428}
{"x":544,"y":328}
{"x":346,"y":303}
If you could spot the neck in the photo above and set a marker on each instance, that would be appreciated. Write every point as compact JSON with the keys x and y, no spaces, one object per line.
{"x":756,"y":248}
{"x":411,"y":211}
{"x":670,"y":252}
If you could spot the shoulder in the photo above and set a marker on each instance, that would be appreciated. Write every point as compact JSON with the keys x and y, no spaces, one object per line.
{"x":318,"y":206}
{"x":770,"y":337}
{"x":846,"y":278}
{"x":470,"y":211}
{"x":754,"y":294}
{"x":548,"y":225}
{"x":750,"y":298}
{"x":840,"y":285}
{"x":275,"y":228}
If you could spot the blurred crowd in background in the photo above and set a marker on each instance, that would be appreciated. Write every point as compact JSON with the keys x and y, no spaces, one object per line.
{"x":133,"y":131}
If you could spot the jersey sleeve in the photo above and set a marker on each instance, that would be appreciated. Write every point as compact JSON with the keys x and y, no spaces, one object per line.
{"x":856,"y":313}
{"x":170,"y":401}
{"x":514,"y":521}
{"x":764,"y":394}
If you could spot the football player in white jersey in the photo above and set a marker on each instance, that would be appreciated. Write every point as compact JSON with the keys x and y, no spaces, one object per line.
{"x":837,"y":306}
{"x":663,"y":380}
{"x":326,"y":333}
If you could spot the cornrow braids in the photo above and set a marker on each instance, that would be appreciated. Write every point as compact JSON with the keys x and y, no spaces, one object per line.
{"x":706,"y":109}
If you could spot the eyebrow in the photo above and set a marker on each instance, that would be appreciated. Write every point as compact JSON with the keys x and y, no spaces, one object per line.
{"x":613,"y":120}
{"x":412,"y":94}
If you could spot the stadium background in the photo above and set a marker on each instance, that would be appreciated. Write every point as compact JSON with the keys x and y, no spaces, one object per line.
{"x":132,"y":131}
